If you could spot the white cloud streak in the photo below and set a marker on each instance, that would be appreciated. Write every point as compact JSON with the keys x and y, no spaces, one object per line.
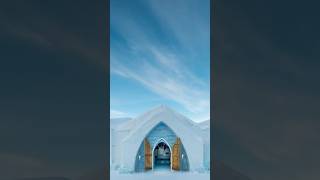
{"x":158,"y":67}
{"x":177,"y":15}
{"x":117,"y":114}
{"x":179,"y":86}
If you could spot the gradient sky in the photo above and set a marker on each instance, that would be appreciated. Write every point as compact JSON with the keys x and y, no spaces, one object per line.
{"x":53,"y":88}
{"x":267,"y":90}
{"x":159,"y":54}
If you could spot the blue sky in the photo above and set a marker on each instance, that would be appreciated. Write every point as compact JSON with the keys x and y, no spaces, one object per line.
{"x":160,"y":54}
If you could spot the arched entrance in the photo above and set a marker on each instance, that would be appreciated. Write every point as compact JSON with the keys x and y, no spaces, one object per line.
{"x":161,"y":155}
{"x":161,"y":137}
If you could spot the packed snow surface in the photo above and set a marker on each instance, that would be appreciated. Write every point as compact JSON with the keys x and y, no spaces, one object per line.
{"x":160,"y":175}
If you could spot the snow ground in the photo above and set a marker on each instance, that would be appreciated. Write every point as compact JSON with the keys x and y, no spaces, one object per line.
{"x":160,"y":175}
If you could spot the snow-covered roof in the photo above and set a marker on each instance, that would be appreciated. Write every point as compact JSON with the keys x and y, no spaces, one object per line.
{"x":157,"y":114}
{"x":204,"y":124}
{"x":163,"y":111}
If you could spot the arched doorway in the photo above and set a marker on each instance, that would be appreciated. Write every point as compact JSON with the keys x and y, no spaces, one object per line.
{"x":161,"y":155}
{"x":145,"y":156}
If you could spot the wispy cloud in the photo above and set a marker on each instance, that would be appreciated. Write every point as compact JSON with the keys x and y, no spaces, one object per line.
{"x":117,"y":114}
{"x":161,"y":67}
{"x":164,"y":84}
{"x":177,"y":21}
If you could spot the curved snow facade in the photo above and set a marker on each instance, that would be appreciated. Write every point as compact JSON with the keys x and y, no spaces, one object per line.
{"x":161,"y":124}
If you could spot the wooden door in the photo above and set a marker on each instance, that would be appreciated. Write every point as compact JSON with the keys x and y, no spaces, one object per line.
{"x":176,"y":155}
{"x":147,"y":155}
